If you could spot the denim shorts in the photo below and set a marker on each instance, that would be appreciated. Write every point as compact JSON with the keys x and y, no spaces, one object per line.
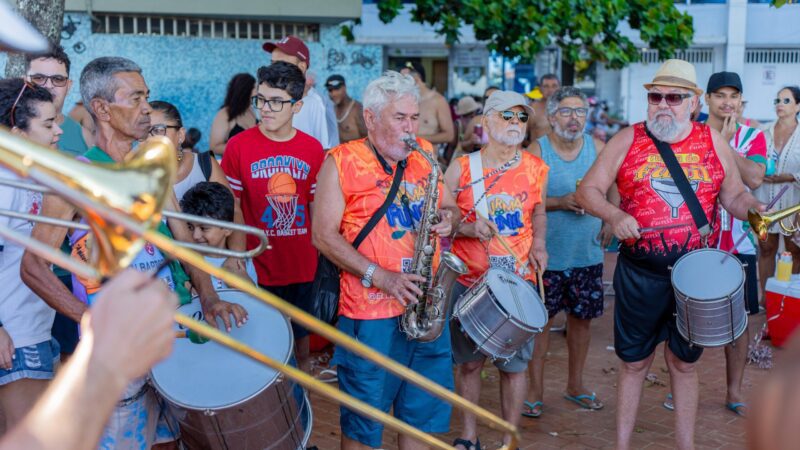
{"x":36,"y":362}
{"x":371,"y":384}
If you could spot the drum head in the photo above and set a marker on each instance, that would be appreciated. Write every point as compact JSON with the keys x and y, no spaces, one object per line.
{"x":707,"y":274}
{"x":517,"y":297}
{"x":209,"y":375}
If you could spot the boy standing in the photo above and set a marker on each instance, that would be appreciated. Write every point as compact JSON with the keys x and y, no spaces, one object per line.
{"x":272,"y":169}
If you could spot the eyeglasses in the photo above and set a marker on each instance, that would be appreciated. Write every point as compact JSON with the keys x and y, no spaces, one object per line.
{"x":567,"y":111}
{"x":12,"y":113}
{"x":275,"y":105}
{"x":778,"y":101}
{"x":161,"y":130}
{"x":654,"y":98}
{"x":41,"y":79}
{"x":334,"y":88}
{"x":521,"y":115}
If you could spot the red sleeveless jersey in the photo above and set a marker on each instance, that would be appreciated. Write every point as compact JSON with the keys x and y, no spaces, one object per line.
{"x":648,"y":193}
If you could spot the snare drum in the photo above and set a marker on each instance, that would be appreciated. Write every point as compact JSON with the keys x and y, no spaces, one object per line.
{"x":225,"y":400}
{"x":709,"y":297}
{"x":500,"y":313}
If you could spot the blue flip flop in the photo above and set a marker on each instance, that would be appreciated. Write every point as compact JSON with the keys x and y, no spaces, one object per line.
{"x":594,"y":405}
{"x":735,"y":408}
{"x":533,"y":406}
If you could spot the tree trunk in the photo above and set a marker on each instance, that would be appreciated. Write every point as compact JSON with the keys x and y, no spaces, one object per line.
{"x":47,"y":16}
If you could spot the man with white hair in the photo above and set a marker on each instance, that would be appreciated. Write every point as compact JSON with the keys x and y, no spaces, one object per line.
{"x":645,"y":300}
{"x":513,"y":185}
{"x":353,"y":186}
{"x":574,"y":276}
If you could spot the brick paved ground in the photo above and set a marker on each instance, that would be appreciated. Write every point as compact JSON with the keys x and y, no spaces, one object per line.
{"x":564,"y":425}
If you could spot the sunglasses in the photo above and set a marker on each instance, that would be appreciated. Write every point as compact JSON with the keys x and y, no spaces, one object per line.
{"x":161,"y":130}
{"x":12,"y":113}
{"x":654,"y":98}
{"x":778,"y":101}
{"x":334,"y":88}
{"x":57,"y":80}
{"x":508,"y":115}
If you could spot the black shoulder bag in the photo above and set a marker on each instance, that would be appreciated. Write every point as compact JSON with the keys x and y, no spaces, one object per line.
{"x":682,"y":183}
{"x":326,"y":281}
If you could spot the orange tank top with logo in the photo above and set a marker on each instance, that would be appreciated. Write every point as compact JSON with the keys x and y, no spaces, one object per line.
{"x":648,"y":193}
{"x":390,"y":244}
{"x":511,"y":201}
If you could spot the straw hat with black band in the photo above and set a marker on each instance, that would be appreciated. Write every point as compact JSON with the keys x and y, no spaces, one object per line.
{"x":676,"y":73}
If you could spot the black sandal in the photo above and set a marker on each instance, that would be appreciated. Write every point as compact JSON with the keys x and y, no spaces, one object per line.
{"x":469,"y":445}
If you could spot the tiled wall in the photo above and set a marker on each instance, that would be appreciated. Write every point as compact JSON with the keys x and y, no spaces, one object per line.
{"x":193,"y":73}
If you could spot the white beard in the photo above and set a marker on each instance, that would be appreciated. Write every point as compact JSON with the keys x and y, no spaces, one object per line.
{"x":567,"y":135}
{"x":506,"y":138}
{"x":666,"y":131}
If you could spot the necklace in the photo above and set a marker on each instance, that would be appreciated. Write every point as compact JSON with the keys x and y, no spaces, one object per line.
{"x":789,"y":133}
{"x":346,"y":113}
{"x":180,"y":154}
{"x":507,"y":165}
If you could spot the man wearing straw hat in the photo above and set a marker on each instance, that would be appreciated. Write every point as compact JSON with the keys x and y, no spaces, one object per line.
{"x":505,"y":227}
{"x":645,"y":299}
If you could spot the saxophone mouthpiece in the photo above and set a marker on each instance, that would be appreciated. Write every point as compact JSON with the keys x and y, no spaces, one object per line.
{"x":411,"y":141}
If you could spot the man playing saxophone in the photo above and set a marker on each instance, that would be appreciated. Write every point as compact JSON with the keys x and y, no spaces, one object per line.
{"x":376,"y":286}
{"x":500,"y":191}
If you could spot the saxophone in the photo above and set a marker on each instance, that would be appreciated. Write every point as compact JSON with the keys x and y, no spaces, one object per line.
{"x":425,"y":320}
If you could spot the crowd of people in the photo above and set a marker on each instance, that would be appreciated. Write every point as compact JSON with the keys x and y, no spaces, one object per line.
{"x":528,"y":186}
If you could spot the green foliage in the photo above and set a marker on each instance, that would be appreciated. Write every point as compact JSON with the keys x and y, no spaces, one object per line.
{"x":584,"y":30}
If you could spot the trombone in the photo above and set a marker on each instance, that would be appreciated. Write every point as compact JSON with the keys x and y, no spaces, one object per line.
{"x":263,"y":241}
{"x":122,"y":204}
{"x":760,"y":223}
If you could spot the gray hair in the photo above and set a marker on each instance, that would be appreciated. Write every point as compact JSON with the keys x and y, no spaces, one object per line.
{"x":97,"y":78}
{"x":389,"y":87}
{"x":561,"y":94}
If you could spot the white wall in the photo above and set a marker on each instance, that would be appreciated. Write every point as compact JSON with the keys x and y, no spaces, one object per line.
{"x":761,"y":82}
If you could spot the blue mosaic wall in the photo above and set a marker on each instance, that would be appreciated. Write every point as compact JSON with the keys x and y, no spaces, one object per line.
{"x":193,"y":73}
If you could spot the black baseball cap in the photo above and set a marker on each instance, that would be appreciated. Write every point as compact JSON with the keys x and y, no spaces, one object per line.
{"x":724,"y":79}
{"x":334,"y":81}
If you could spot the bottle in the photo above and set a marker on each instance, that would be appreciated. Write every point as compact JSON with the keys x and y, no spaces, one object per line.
{"x":772,"y":158}
{"x":784,"y":271}
{"x":192,"y":336}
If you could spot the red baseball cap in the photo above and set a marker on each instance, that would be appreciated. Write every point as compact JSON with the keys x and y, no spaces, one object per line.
{"x":291,"y":45}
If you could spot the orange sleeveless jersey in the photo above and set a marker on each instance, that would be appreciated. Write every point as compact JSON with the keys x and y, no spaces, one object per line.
{"x":511,"y":202}
{"x":391,"y":243}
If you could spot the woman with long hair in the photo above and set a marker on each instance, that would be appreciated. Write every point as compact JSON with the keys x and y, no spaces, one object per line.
{"x":235,"y":115}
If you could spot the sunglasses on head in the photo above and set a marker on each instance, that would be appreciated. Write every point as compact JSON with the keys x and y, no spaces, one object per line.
{"x":778,"y":101}
{"x":13,"y":111}
{"x":654,"y":98}
{"x":507,"y":115}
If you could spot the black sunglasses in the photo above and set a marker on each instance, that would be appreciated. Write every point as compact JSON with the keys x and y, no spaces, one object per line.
{"x":778,"y":101}
{"x":654,"y":98}
{"x":507,"y":115}
{"x":41,"y":79}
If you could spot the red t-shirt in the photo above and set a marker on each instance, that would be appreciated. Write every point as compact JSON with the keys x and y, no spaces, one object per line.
{"x":648,"y":193}
{"x":275,"y":182}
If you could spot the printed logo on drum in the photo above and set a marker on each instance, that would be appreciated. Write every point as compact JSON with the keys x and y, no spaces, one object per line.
{"x":506,"y":212}
{"x":150,"y":249}
{"x":405,"y":212}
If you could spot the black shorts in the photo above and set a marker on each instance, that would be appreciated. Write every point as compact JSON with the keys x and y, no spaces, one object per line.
{"x":750,"y":283}
{"x":644,"y":309}
{"x":299,"y":295}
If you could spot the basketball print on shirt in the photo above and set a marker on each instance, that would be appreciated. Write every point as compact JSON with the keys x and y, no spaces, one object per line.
{"x":282,"y":201}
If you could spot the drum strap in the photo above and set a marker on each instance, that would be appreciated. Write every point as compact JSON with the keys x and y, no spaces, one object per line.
{"x":679,"y":177}
{"x":478,"y":188}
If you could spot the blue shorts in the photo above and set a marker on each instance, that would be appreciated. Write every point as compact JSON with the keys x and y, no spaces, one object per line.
{"x":371,"y":384}
{"x":36,"y":362}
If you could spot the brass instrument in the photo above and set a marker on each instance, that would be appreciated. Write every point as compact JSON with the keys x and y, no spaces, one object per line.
{"x":425,"y":320}
{"x":263,"y":241}
{"x":760,"y":223}
{"x":122,"y":204}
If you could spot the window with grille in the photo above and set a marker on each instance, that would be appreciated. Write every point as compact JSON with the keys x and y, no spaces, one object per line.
{"x":692,"y":55}
{"x":772,"y":56}
{"x":203,"y":27}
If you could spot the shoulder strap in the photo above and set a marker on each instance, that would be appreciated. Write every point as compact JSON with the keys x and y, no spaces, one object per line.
{"x":398,"y":175}
{"x":204,"y":159}
{"x":478,"y":187}
{"x":682,"y":183}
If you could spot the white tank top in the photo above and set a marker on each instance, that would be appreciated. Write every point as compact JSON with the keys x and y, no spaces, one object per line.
{"x":194,"y":177}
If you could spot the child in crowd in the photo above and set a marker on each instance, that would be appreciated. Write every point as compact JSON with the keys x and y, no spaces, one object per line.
{"x":215,"y":201}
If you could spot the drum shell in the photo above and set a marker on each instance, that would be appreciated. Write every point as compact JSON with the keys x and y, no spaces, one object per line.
{"x":496,"y":333}
{"x":264,"y":411}
{"x":710,"y":322}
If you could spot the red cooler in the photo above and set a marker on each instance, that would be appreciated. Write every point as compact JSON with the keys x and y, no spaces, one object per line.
{"x":783,"y":308}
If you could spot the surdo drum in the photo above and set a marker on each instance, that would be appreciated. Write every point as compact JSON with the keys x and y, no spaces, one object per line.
{"x":225,"y":400}
{"x":709,"y":297}
{"x":500,"y":313}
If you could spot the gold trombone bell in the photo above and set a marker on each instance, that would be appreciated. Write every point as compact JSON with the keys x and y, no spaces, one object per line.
{"x":760,"y":223}
{"x":122,"y":203}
